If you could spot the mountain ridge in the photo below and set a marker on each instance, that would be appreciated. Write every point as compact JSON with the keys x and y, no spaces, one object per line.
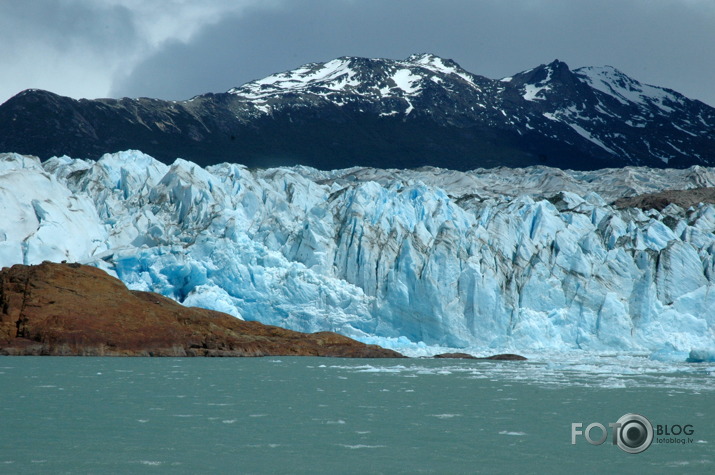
{"x":353,"y":111}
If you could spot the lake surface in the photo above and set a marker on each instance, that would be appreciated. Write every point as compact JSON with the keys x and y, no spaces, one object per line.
{"x":327,"y":415}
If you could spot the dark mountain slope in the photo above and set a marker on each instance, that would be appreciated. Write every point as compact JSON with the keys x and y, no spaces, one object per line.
{"x":424,"y":110}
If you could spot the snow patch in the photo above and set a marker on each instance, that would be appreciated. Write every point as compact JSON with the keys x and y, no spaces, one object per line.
{"x":626,"y":90}
{"x":407,"y":81}
{"x":532,"y":92}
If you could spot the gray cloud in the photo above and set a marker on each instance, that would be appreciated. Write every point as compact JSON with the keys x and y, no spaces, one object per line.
{"x":65,"y":45}
{"x":660,"y":42}
{"x":66,"y":25}
{"x":215,"y":45}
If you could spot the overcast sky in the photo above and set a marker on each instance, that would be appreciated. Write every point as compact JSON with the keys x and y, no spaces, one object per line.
{"x":175,"y":49}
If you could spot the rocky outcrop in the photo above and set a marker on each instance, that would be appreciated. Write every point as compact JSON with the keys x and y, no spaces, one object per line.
{"x":72,"y":309}
{"x":506,"y":357}
{"x":467,"y":356}
{"x":660,"y":200}
{"x":457,"y":356}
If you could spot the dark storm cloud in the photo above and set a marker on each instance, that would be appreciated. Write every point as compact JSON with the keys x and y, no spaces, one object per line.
{"x":68,"y":46}
{"x":660,"y":42}
{"x":64,"y":25}
{"x":178,"y":48}
{"x":262,"y":42}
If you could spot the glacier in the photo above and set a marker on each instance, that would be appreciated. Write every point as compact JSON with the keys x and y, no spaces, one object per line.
{"x":533,"y":259}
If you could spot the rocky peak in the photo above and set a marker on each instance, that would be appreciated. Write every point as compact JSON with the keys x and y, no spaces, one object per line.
{"x":553,"y":80}
{"x":543,"y":73}
{"x":370,"y":78}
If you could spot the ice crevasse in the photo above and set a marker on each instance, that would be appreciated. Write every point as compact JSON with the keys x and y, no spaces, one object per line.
{"x":493,"y":259}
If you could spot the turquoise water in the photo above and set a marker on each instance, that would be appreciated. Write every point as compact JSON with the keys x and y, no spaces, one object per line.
{"x":325,"y":415}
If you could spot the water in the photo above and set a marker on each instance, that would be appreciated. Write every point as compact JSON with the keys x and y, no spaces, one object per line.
{"x":325,"y":415}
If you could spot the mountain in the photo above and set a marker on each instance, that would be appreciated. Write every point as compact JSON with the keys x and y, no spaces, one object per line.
{"x":70,"y":309}
{"x":351,"y":111}
{"x":492,"y":259}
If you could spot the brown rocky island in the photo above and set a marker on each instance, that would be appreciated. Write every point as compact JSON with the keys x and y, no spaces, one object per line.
{"x":72,"y":309}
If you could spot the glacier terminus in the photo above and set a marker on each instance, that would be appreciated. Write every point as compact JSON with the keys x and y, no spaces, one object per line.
{"x":524,"y":259}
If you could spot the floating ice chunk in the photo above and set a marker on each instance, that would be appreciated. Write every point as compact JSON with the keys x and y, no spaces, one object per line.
{"x":669,"y":354}
{"x":706,"y":355}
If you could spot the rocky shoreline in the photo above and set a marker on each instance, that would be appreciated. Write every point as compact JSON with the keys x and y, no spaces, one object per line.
{"x":76,"y":310}
{"x":71,"y":309}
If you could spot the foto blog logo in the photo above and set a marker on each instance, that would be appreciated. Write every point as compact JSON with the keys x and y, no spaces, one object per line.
{"x":632,"y":433}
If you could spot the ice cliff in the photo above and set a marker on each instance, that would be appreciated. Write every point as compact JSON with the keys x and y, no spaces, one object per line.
{"x":530,"y":258}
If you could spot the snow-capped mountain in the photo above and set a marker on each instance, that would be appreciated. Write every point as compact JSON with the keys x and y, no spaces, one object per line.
{"x":424,"y":110}
{"x":516,"y":259}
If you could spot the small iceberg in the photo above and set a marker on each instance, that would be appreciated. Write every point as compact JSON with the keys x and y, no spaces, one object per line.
{"x":669,"y":354}
{"x":701,"y":356}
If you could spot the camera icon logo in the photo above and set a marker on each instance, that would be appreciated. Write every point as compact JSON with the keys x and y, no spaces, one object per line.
{"x":634,"y":433}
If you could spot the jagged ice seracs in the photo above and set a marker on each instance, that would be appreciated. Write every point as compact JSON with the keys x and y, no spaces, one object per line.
{"x":501,"y":259}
